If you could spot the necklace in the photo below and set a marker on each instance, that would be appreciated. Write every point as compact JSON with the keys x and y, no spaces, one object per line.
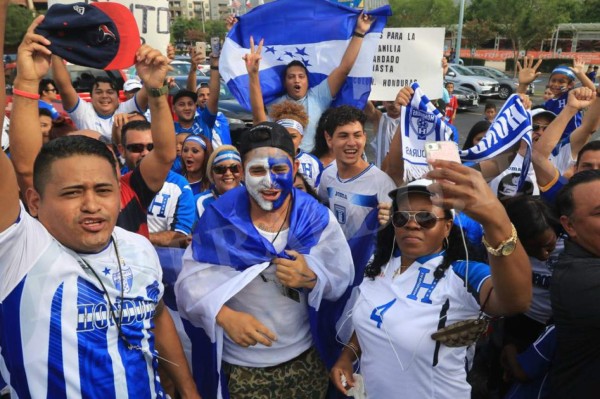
{"x":399,"y":271}
{"x":118,"y":322}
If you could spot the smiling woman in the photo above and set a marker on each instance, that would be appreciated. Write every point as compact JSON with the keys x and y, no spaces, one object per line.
{"x":194,"y":156}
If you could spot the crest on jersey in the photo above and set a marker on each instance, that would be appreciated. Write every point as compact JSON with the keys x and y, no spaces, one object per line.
{"x":127,"y":279}
{"x":79,"y":9}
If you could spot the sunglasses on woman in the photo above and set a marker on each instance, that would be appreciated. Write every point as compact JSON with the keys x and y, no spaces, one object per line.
{"x":424,"y":219}
{"x":222,"y":169}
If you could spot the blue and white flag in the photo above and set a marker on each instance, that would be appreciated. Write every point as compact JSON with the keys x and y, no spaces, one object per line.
{"x":315,"y":32}
{"x":227,"y":253}
{"x":420,"y":122}
{"x":512,"y":124}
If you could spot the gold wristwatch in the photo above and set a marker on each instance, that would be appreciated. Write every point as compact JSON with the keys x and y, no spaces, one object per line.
{"x":158,"y":92}
{"x":506,"y":247}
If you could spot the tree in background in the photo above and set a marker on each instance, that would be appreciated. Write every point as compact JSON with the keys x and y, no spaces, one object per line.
{"x":410,"y":13}
{"x":476,"y":33}
{"x":18,"y":20}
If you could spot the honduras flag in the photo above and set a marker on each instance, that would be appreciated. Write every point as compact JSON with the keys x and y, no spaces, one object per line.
{"x":512,"y":124}
{"x":314,"y":32}
{"x":227,"y":253}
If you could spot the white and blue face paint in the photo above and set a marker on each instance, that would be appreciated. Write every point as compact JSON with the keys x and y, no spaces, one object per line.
{"x":266,"y":172}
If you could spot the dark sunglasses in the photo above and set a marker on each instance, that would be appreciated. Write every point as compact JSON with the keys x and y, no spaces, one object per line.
{"x":536,"y":126}
{"x":423,"y":218}
{"x":222,"y":169}
{"x":139,"y":147}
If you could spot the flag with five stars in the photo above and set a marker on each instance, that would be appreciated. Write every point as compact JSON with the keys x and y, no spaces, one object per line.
{"x":314,"y":32}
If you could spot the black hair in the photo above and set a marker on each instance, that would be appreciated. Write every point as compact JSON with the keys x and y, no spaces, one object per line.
{"x":103,"y":79}
{"x":481,"y":126}
{"x":43,"y":84}
{"x":343,"y":115}
{"x":386,"y":244}
{"x":66,"y":147}
{"x":309,"y":189}
{"x":531,"y":216}
{"x":490,"y":105}
{"x":185,"y":93}
{"x":564,"y":198}
{"x":133,"y":125}
{"x":591,"y":146}
{"x":295,"y":63}
{"x":321,"y":148}
{"x":45,"y":112}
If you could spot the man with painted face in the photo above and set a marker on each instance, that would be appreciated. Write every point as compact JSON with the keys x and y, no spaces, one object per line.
{"x":264,"y":261}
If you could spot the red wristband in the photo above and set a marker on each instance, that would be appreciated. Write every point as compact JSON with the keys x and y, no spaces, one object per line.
{"x":26,"y":94}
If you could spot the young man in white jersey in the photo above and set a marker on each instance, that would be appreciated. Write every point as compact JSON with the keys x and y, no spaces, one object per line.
{"x":352,"y":187}
{"x":81,"y":312}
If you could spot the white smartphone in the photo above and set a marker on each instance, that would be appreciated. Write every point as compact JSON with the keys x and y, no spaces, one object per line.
{"x":215,"y":46}
{"x":444,"y":150}
{"x":201,"y":49}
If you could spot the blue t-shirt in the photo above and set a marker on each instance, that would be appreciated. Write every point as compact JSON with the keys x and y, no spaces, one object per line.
{"x":316,"y":101}
{"x":556,"y":105}
{"x":203,"y":124}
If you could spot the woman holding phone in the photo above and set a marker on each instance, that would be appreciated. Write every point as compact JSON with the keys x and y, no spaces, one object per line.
{"x":420,"y":281}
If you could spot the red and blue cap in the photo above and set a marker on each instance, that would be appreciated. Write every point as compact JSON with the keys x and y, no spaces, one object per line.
{"x":98,"y":35}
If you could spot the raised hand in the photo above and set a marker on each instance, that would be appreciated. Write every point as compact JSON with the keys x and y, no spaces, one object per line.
{"x":230,"y":21}
{"x":151,"y":66}
{"x":253,"y":58}
{"x":581,"y":98}
{"x":364,"y":22}
{"x":404,"y":96}
{"x":578,"y":66}
{"x":528,"y":71}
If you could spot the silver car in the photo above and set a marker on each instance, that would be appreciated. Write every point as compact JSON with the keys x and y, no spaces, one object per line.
{"x":464,"y":77}
{"x":508,"y":85}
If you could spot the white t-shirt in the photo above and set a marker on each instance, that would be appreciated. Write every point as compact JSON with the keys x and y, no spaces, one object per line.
{"x":506,"y":183}
{"x":84,"y":116}
{"x":352,"y":199}
{"x":62,"y":339}
{"x":287,"y":318}
{"x":563,"y":160}
{"x":394,"y":318}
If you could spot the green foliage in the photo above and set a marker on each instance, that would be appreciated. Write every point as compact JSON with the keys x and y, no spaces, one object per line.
{"x":183,"y":28}
{"x":215,"y":28}
{"x":588,"y":11}
{"x":18,"y":19}
{"x":476,"y":32}
{"x":524,"y":22}
{"x":411,"y":13}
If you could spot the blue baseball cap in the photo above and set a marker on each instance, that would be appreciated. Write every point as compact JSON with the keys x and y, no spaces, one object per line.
{"x":98,"y":35}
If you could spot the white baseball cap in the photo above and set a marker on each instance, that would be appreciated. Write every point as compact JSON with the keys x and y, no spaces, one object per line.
{"x":132,"y":84}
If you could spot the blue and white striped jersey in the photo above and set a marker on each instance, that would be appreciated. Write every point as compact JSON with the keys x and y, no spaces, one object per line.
{"x":57,"y":335}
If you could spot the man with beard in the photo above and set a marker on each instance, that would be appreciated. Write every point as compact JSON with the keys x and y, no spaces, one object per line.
{"x":171,"y":212}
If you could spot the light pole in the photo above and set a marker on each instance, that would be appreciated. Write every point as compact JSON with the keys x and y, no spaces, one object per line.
{"x":461,"y":15}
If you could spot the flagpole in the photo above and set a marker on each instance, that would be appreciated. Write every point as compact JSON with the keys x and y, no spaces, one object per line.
{"x":459,"y":33}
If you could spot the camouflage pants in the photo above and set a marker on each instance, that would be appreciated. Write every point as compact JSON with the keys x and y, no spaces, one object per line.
{"x":303,"y":377}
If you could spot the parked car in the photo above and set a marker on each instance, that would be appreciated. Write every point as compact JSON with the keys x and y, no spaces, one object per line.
{"x":508,"y":85}
{"x":467,"y":99}
{"x":464,"y":77}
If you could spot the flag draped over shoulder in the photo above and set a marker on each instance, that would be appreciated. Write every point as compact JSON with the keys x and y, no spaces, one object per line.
{"x":227,"y":252}
{"x":314,"y":32}
{"x":421,"y":122}
{"x":512,"y":124}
